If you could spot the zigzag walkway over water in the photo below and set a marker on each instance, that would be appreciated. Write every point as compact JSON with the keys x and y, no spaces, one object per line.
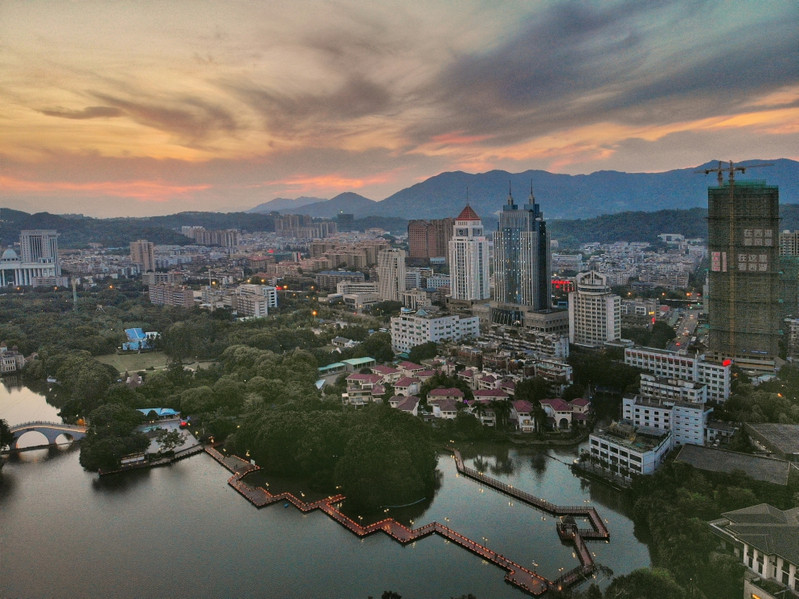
{"x":517,"y":575}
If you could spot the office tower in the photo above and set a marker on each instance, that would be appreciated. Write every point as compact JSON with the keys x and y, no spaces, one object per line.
{"x":594,"y":312}
{"x":429,"y":238}
{"x":391,"y":274}
{"x":468,"y":258}
{"x":40,"y":246}
{"x":142,"y":252}
{"x":521,"y":256}
{"x":345,"y":221}
{"x":38,"y":263}
{"x":744,"y":280}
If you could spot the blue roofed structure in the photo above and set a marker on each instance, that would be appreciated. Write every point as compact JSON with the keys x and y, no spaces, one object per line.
{"x":137,"y":340}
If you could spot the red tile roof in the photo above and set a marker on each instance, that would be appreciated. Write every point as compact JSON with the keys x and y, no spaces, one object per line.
{"x":468,"y":214}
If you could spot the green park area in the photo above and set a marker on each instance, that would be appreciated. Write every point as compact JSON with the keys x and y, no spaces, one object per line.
{"x":135,"y":362}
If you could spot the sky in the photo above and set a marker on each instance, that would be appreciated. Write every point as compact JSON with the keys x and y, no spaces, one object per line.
{"x":135,"y":108}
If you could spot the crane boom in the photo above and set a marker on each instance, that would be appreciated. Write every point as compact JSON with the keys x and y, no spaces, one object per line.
{"x":720,"y":169}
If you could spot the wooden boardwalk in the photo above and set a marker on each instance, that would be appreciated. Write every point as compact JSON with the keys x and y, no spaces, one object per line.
{"x":516,"y":574}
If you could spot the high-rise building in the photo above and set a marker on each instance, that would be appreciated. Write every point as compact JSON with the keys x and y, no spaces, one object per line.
{"x":522,"y":256}
{"x":391,"y":274}
{"x":468,"y":258}
{"x":40,"y":246}
{"x":142,"y":252}
{"x":594,"y":312}
{"x":743,"y":281}
{"x":429,"y":238}
{"x":38,"y":263}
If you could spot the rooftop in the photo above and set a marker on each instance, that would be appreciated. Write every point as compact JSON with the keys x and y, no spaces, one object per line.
{"x":782,"y":437}
{"x":764,"y":527}
{"x":721,"y":460}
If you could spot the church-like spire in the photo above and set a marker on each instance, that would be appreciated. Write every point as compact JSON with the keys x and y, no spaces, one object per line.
{"x":532,"y":197}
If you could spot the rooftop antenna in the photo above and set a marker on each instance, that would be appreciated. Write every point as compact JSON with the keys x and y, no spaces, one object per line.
{"x":532,"y":197}
{"x":510,"y":195}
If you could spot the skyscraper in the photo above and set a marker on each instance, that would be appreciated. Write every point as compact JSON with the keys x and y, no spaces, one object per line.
{"x":391,"y":274}
{"x":743,"y":281}
{"x":522,"y":256}
{"x":594,"y":312}
{"x":142,"y":252}
{"x":468,"y":258}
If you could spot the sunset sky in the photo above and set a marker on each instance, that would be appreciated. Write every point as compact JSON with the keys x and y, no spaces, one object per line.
{"x":126,"y":108}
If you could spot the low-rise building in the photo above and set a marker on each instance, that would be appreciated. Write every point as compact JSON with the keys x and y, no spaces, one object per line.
{"x":674,"y":365}
{"x":687,"y":421}
{"x":765,"y":539}
{"x":171,"y":295}
{"x":652,"y":386}
{"x":10,"y":359}
{"x":521,"y":413}
{"x":627,"y":450}
{"x":411,"y":329}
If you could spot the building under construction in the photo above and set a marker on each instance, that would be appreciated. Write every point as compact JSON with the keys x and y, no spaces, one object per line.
{"x":744,"y":280}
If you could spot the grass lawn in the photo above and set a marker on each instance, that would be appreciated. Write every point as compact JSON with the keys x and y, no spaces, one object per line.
{"x":135,"y":362}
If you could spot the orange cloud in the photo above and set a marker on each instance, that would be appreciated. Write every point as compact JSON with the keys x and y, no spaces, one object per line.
{"x":324,"y":182}
{"x":147,"y":191}
{"x":457,"y":138}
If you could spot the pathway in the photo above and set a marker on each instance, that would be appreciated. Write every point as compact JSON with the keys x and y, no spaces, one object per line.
{"x":516,"y":574}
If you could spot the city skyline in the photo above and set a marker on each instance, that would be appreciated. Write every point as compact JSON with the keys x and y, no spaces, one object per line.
{"x":112,"y":110}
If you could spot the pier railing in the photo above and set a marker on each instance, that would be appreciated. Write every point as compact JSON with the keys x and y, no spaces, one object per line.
{"x":516,"y":574}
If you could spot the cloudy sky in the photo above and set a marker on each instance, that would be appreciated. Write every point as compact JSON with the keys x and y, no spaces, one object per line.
{"x":132,"y":108}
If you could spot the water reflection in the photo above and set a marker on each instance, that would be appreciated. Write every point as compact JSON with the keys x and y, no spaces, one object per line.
{"x":122,"y":482}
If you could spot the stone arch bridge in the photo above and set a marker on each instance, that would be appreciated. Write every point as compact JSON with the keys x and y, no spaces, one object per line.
{"x":51,"y":430}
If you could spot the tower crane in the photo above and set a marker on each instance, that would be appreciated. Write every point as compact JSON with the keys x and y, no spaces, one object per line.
{"x":730,"y":169}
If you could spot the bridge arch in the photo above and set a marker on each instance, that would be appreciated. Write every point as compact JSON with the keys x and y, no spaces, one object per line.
{"x":50,"y":430}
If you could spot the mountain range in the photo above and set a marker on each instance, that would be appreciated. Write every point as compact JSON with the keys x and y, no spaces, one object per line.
{"x":560,"y":196}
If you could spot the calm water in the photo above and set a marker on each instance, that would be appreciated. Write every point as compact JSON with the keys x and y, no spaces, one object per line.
{"x":181,"y":531}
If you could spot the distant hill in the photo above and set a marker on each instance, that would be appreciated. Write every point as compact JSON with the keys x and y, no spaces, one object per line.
{"x":348,"y":202}
{"x":575,"y":196}
{"x":279,"y":204}
{"x":79,"y":231}
{"x":560,"y":196}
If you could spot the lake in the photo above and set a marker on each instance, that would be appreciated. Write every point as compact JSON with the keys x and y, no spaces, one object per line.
{"x":180,"y":531}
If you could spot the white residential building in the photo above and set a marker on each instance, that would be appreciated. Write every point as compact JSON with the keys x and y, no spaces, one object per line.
{"x":664,"y":363}
{"x":266,"y":291}
{"x":655,"y":387}
{"x":411,"y":329}
{"x":469,"y":258}
{"x":391,"y":274}
{"x":686,"y":421}
{"x":594,"y":312}
{"x":628,"y":450}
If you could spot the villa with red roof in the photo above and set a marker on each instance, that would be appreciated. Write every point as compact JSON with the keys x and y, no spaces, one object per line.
{"x":407,"y":386}
{"x":410,"y":368}
{"x":485,"y":395}
{"x":405,"y":404}
{"x":521,"y":412}
{"x":438,"y":395}
{"x":389,"y":374}
{"x":445,"y":408}
{"x":563,"y":414}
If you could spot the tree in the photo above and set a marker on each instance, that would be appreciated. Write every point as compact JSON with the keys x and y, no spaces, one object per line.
{"x":169,"y":440}
{"x":5,"y":434}
{"x":425,"y":351}
{"x":654,"y":583}
{"x":111,"y":436}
